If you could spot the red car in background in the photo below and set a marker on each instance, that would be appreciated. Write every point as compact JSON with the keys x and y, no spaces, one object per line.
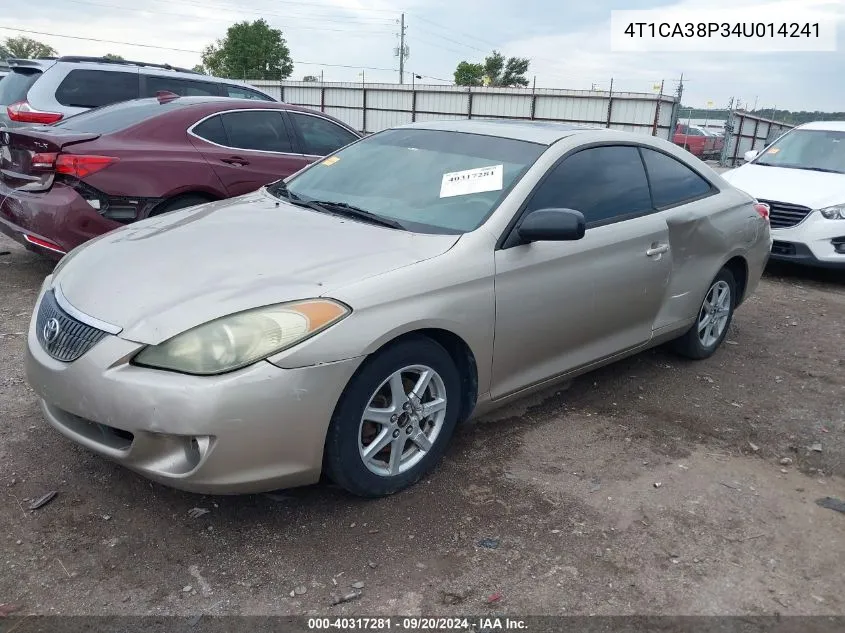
{"x":698,"y":141}
{"x":63,"y":184}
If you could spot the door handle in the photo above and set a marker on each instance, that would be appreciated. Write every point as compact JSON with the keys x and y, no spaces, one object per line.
{"x":235,"y":160}
{"x":659,"y":249}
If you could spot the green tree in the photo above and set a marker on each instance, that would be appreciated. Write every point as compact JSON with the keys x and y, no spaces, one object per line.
{"x":250,"y":50}
{"x":26,"y":48}
{"x":113,"y":57}
{"x":469,"y":74}
{"x":311,"y":78}
{"x":495,"y":71}
{"x":199,"y":69}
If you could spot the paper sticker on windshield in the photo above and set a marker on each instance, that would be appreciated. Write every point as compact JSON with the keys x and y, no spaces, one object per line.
{"x":462,"y":183}
{"x":331,"y":160}
{"x":774,"y":150}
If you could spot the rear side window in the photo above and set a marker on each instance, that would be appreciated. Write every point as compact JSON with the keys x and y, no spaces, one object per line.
{"x":259,"y":130}
{"x":115,"y":117}
{"x":212,"y":131}
{"x":672,"y":182}
{"x":239,"y":92}
{"x":94,"y":88}
{"x":321,"y":137}
{"x":606,"y":184}
{"x":15,"y":85}
{"x":181,"y":87}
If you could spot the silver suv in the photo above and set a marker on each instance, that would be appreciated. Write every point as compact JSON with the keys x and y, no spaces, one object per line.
{"x":43,"y":91}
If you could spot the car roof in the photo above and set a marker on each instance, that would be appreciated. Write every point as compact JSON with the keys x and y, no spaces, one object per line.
{"x":214,"y":104}
{"x":829,"y":126}
{"x":146,"y":68}
{"x":542,"y":132}
{"x":205,"y":106}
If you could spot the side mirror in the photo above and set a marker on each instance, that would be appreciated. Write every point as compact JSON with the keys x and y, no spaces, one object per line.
{"x":552,"y":225}
{"x":750,"y":155}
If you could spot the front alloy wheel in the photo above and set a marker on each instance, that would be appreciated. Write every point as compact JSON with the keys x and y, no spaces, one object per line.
{"x":402,"y":421}
{"x":394,"y":419}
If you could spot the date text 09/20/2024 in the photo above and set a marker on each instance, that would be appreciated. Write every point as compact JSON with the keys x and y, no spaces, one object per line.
{"x":477,"y":625}
{"x":723,"y":29}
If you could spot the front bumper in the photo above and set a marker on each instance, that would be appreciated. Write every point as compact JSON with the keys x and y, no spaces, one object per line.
{"x":59,"y":216}
{"x":813,"y":242}
{"x":253,"y":430}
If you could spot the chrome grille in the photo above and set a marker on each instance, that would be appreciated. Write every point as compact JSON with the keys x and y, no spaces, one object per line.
{"x":63,"y":337}
{"x":783,"y":215}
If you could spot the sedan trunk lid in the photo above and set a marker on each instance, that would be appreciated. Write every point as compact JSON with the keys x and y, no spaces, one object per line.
{"x":28,"y":156}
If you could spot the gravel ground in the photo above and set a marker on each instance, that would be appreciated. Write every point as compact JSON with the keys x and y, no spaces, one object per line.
{"x":654,"y":486}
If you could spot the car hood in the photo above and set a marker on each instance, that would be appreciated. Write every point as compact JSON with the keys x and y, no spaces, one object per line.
{"x":164,"y":275}
{"x":813,"y":189}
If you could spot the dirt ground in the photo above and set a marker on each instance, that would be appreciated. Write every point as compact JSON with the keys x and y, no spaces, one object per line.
{"x":653,"y":486}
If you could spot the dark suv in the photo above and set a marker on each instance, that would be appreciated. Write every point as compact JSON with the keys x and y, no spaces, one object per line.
{"x":44,"y":91}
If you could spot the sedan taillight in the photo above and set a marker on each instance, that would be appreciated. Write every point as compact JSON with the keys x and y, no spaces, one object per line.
{"x":80,"y":166}
{"x":22,"y":112}
{"x":762,"y":209}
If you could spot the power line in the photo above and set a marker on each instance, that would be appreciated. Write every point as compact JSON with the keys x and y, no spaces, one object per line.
{"x":381,"y":22}
{"x":183,"y":50}
{"x":439,"y":46}
{"x":332,"y":8}
{"x":461,"y":33}
{"x":449,"y":39}
{"x":94,"y":39}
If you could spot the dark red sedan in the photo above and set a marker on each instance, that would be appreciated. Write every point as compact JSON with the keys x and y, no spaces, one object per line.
{"x":63,"y":184}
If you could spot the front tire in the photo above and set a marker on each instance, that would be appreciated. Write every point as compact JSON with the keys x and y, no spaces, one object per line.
{"x":713,"y":321}
{"x":395,"y":418}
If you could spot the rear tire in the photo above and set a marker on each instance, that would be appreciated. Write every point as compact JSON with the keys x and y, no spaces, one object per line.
{"x":179,"y":202}
{"x":395,"y":419}
{"x":713,"y":321}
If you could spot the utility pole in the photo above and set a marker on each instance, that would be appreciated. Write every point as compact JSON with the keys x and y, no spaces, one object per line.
{"x":402,"y":51}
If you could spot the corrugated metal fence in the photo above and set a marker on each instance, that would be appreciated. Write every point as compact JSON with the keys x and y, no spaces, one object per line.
{"x":744,"y":132}
{"x":374,"y":107}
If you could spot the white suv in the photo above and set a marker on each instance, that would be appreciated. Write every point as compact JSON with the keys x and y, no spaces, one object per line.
{"x":43,"y":91}
{"x":801,"y":176}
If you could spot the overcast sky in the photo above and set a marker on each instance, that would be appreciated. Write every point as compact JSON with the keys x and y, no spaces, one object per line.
{"x":568,"y":43}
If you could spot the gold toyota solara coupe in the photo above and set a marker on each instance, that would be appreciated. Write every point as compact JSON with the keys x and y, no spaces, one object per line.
{"x":345,"y":320}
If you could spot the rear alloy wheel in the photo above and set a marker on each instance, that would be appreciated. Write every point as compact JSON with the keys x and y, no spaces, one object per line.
{"x":394,"y":420}
{"x":714,"y":319}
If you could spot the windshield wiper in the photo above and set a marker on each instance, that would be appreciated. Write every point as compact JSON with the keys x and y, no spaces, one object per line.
{"x":786,"y":166}
{"x":821,"y":169}
{"x":280,"y":190}
{"x":351,"y":211}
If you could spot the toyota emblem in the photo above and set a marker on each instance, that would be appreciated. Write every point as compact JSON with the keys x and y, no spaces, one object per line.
{"x":51,"y":330}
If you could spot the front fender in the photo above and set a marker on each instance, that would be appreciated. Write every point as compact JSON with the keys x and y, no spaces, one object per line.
{"x":453,"y":292}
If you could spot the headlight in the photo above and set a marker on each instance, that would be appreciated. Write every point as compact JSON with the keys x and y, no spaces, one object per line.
{"x":238,"y":340}
{"x":834,"y":213}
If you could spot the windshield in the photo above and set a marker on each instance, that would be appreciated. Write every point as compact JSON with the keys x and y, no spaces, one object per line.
{"x":429,"y":181}
{"x":817,"y":150}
